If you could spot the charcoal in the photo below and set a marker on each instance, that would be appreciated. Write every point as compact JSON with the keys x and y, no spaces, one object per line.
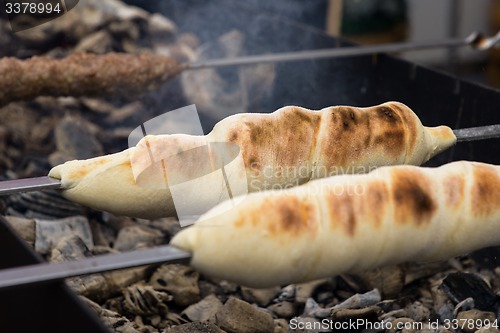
{"x":102,"y":235}
{"x":388,"y":280}
{"x":313,"y":309}
{"x":204,"y":310}
{"x":442,"y":305}
{"x":136,"y":236}
{"x":208,"y":288}
{"x":70,"y":247}
{"x":488,"y":258}
{"x":306,"y":325}
{"x":48,"y":233}
{"x":404,"y":322}
{"x":287,"y":293}
{"x":25,"y":228}
{"x":305,"y":290}
{"x":44,"y":205}
{"x":459,"y":286}
{"x":160,"y":28}
{"x":117,"y":280}
{"x":285,"y":310}
{"x":169,"y":225}
{"x":178,"y":280}
{"x":113,"y":320}
{"x":195,"y":327}
{"x":474,"y":318}
{"x":75,"y":140}
{"x":239,"y":316}
{"x":228,"y":287}
{"x":99,"y":42}
{"x":141,"y":299}
{"x":280,"y":326}
{"x":261,"y":297}
{"x":360,"y":300}
{"x":369,"y":314}
{"x":417,"y":311}
{"x":465,"y":305}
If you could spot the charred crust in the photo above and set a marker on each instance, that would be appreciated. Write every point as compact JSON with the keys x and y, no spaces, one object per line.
{"x":376,"y":198}
{"x":256,"y":133}
{"x":253,"y":163}
{"x":485,"y":190}
{"x":294,"y":217}
{"x":233,"y":136}
{"x":302,"y":115}
{"x":392,"y":127}
{"x":290,"y":218}
{"x":368,"y":136}
{"x":387,"y":114}
{"x":412,"y":198}
{"x":409,"y":118}
{"x":341,"y":211}
{"x":391,"y":138}
{"x":348,"y":118}
{"x":286,"y":138}
{"x":351,"y":215}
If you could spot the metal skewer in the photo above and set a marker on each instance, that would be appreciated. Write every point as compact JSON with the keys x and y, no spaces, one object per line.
{"x":29,"y":185}
{"x":477,"y":133}
{"x":48,"y":272}
{"x":475,"y":40}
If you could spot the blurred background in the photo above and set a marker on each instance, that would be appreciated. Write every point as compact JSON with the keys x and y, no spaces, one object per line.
{"x":387,"y":21}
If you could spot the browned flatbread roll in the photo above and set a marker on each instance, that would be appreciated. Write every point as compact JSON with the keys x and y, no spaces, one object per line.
{"x":279,"y":150}
{"x":348,"y":223}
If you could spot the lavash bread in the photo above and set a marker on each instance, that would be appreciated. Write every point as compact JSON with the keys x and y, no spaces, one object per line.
{"x":348,"y":223}
{"x":283,"y":149}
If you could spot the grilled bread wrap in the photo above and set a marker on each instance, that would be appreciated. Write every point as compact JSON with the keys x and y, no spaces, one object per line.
{"x":279,"y":150}
{"x":348,"y":224}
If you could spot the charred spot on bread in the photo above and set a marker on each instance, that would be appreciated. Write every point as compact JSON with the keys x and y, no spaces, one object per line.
{"x":412,"y":197}
{"x":376,"y":196}
{"x":349,"y":120}
{"x":341,"y":211}
{"x":294,"y":217}
{"x":411,"y":124}
{"x":233,"y":136}
{"x":353,"y":117}
{"x":385,"y":113}
{"x":256,"y":133}
{"x":393,"y":141}
{"x":253,"y":163}
{"x":303,"y":115}
{"x":486,"y":190}
{"x":368,"y":132}
{"x":349,"y":214}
